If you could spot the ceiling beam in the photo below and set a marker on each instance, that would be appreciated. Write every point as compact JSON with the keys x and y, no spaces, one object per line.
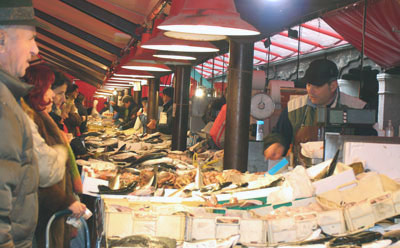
{"x":72,"y":56}
{"x":75,"y":47}
{"x":307,"y":41}
{"x":104,"y":16}
{"x":322,"y":31}
{"x":79,"y":33}
{"x":266,"y":51}
{"x":68,"y":68}
{"x":76,"y":65}
{"x":65,"y":66}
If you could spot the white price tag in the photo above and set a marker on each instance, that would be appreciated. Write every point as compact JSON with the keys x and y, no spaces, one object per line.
{"x":163,"y":118}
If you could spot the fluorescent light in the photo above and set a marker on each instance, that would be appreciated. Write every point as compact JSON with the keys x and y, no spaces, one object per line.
{"x":104,"y":93}
{"x":181,"y":48}
{"x":144,"y":68}
{"x":117,"y":85}
{"x":133,"y":76}
{"x":195,"y":37}
{"x":171,"y":56}
{"x":124,"y":79}
{"x":209,"y":30}
{"x":120,"y":81}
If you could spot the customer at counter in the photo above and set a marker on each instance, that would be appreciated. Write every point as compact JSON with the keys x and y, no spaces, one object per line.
{"x":164,"y":124}
{"x":126,"y":113}
{"x":54,"y":157}
{"x":298,"y":122}
{"x":19,"y":178}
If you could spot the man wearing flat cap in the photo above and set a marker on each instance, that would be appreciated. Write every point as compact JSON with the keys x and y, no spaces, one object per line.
{"x":164,"y":124}
{"x":19,"y":176}
{"x":298,"y":122}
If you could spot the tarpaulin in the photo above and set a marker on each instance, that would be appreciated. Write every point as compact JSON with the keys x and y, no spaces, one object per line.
{"x":382,"y":32}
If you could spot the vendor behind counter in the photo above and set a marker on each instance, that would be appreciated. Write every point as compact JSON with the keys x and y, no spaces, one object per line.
{"x":298,"y":121}
{"x":165,"y":122}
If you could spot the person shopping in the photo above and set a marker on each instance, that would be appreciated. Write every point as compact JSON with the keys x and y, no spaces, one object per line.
{"x":62,"y":195}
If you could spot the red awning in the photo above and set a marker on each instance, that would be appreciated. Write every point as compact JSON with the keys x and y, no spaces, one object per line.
{"x":382,"y":35}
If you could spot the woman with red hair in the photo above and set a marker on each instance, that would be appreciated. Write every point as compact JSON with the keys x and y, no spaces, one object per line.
{"x":53,"y":151}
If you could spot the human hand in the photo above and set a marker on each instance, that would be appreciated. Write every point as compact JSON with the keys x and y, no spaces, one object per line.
{"x":112,"y":103}
{"x":152,"y":124}
{"x":69,"y":137}
{"x":77,"y":208}
{"x":274,"y":151}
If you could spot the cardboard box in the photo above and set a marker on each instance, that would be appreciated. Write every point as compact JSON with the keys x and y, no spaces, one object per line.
{"x":200,"y":228}
{"x":332,"y":222}
{"x":333,"y":181}
{"x":282,"y":230}
{"x":359,"y":217}
{"x":253,"y":231}
{"x":226,"y":227}
{"x":382,"y":206}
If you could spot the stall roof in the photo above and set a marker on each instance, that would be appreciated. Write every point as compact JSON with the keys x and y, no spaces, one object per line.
{"x":315,"y":35}
{"x":87,"y":39}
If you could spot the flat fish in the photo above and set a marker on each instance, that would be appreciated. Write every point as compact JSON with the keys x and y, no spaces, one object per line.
{"x":124,"y":157}
{"x":143,"y":241}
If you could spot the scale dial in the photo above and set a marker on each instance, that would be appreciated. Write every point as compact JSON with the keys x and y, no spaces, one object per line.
{"x":261,"y":106}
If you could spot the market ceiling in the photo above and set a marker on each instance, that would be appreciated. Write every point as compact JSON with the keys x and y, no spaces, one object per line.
{"x":88,"y":38}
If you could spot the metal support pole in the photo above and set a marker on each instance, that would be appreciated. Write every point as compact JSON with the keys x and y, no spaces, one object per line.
{"x":154,"y":87}
{"x":181,"y":109}
{"x":238,"y":105}
{"x":137,"y":97}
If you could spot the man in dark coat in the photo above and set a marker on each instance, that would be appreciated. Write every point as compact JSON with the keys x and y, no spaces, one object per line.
{"x":19,"y":175}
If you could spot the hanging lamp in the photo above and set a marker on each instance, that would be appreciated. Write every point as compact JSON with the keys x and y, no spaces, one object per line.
{"x":148,"y":56}
{"x":131,"y":74}
{"x":140,"y":66}
{"x":163,"y":43}
{"x":173,"y":55}
{"x":209,"y":18}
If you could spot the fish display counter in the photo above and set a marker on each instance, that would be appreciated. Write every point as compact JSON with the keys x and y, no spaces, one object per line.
{"x":154,"y":197}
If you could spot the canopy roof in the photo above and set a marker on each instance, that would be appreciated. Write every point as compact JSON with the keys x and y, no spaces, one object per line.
{"x":315,"y":35}
{"x":89,"y":39}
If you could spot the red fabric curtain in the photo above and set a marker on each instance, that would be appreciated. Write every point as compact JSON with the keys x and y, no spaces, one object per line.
{"x":382,"y":35}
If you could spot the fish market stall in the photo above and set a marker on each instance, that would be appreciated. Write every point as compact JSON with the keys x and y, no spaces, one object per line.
{"x":145,"y":189}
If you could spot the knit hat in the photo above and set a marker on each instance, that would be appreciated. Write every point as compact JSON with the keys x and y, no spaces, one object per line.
{"x":18,"y":12}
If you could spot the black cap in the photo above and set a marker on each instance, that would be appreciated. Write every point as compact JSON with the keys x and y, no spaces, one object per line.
{"x":320,"y":72}
{"x":169,"y":91}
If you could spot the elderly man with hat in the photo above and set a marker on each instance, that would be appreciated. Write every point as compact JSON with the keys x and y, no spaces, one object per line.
{"x":164,"y":124}
{"x":19,"y":176}
{"x":298,"y":122}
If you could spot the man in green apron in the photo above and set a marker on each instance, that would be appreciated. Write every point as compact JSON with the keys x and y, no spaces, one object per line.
{"x":298,"y":122}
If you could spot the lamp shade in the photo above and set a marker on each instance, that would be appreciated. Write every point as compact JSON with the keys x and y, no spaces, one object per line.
{"x":192,"y":36}
{"x":132,"y":65}
{"x":174,"y":55}
{"x":163,"y":43}
{"x":218,"y":17}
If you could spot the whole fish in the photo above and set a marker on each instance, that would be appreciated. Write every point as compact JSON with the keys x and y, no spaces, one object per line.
{"x":146,"y":157}
{"x":143,"y":241}
{"x":152,"y":136}
{"x":123,"y":191}
{"x":165,"y":160}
